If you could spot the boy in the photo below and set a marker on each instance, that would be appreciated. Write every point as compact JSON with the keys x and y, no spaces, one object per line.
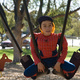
{"x":47,"y":42}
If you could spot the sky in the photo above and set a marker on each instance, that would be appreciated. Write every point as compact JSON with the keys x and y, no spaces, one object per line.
{"x":1,"y":1}
{"x":77,"y":11}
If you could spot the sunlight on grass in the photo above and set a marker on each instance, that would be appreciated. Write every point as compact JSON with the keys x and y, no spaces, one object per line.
{"x":71,"y":50}
{"x":9,"y":52}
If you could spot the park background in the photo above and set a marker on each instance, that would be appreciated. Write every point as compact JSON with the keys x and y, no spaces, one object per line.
{"x":17,"y":21}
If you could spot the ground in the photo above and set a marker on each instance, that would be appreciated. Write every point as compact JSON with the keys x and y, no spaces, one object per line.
{"x":15,"y":72}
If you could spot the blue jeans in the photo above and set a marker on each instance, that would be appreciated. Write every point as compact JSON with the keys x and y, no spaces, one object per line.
{"x":49,"y":62}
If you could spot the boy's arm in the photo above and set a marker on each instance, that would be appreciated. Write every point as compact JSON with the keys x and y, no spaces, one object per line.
{"x":64,"y":50}
{"x":36,"y":59}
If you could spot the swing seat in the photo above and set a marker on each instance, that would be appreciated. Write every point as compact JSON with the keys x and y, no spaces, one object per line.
{"x":26,"y":61}
{"x":75,"y":59}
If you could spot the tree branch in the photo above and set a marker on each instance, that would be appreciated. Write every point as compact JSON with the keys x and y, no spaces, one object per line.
{"x":22,"y":8}
{"x":48,"y":7}
{"x":61,"y":7}
{"x":7,"y":8}
{"x":16,"y":9}
{"x":40,"y":9}
{"x":61,"y":15}
{"x":18,"y":6}
{"x":55,"y":4}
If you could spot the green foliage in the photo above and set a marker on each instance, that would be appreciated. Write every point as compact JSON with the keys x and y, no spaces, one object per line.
{"x":10,"y":19}
{"x":1,"y":26}
{"x":26,"y":51}
{"x":70,"y":32}
{"x":57,"y":21}
{"x":73,"y":25}
{"x":57,"y":7}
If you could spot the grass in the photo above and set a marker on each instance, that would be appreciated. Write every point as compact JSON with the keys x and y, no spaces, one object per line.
{"x":9,"y":52}
{"x":71,"y":51}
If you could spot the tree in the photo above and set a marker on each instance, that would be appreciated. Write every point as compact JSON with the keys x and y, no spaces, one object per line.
{"x":1,"y":30}
{"x":38,"y":8}
{"x":74,"y":29}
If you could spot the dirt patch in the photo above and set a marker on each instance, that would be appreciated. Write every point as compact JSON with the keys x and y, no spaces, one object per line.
{"x":15,"y":72}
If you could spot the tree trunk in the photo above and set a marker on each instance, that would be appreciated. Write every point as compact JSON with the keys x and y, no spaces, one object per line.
{"x":17,"y":55}
{"x":1,"y":37}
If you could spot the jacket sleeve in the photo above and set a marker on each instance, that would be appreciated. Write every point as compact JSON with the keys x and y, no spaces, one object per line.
{"x":64,"y":49}
{"x":36,"y":59}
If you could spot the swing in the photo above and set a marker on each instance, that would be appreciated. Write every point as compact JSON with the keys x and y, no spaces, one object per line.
{"x":29,"y":60}
{"x":64,"y":25}
{"x":75,"y":59}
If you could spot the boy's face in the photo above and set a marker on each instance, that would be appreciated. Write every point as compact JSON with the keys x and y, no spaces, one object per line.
{"x":46,"y":27}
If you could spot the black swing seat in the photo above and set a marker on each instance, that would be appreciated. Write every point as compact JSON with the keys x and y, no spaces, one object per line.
{"x":75,"y":59}
{"x":26,"y":61}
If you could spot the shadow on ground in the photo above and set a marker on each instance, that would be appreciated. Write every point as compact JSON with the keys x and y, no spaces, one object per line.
{"x":15,"y":72}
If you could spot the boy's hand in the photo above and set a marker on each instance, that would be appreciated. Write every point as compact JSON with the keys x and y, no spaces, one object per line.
{"x":41,"y":67}
{"x":57,"y":66}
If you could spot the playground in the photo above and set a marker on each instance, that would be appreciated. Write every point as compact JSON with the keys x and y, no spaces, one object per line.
{"x":15,"y":72}
{"x":12,"y":62}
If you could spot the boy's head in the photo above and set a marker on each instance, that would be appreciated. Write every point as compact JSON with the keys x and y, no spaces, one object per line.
{"x":44,"y":20}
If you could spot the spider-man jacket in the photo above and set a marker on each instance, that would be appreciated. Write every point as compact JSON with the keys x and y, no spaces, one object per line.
{"x":47,"y":46}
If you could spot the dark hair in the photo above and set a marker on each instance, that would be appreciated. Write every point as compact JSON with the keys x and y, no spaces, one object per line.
{"x":44,"y":18}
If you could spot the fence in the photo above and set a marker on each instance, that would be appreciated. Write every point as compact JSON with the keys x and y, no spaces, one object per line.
{"x":73,"y":40}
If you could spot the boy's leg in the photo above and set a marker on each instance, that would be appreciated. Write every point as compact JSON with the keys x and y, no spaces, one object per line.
{"x":68,"y":68}
{"x":31,"y":71}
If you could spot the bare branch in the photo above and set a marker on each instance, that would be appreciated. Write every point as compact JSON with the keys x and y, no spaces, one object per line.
{"x":60,"y":7}
{"x":61,"y":15}
{"x":7,"y":8}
